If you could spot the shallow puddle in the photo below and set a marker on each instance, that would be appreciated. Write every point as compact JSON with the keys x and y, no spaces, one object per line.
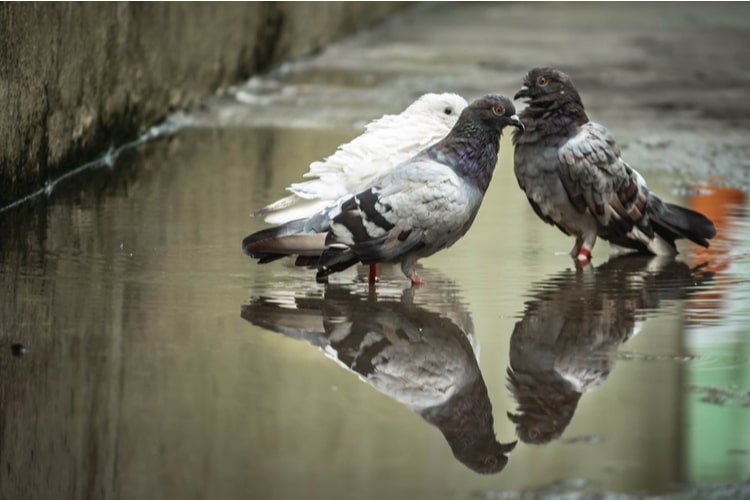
{"x":157,"y":360}
{"x":143,"y":356}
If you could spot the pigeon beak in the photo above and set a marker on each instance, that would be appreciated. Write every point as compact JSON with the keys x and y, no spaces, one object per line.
{"x":516,"y":122}
{"x":508,"y":447}
{"x":524,"y":92}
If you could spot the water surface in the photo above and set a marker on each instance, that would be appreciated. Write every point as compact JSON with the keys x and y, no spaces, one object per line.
{"x":143,"y":356}
{"x":133,"y":303}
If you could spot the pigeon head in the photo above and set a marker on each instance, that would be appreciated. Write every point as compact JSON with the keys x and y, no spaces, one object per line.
{"x":471,"y":147}
{"x":445,"y":108}
{"x":553,"y":103}
{"x":492,"y":112}
{"x":546,"y":85}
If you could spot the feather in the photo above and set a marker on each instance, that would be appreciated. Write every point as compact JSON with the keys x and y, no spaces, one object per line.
{"x":386,"y":142}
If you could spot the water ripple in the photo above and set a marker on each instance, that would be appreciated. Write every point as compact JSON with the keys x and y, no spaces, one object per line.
{"x":704,"y":361}
{"x":168,"y":127}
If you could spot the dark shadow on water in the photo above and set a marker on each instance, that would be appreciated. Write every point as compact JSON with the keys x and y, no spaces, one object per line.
{"x":421,"y":358}
{"x":563,"y":346}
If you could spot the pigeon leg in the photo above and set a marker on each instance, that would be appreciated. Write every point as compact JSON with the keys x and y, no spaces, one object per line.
{"x":584,"y":255}
{"x":583,"y":265}
{"x":585,"y":245}
{"x":372,"y":276}
{"x":407,"y":267}
{"x":576,"y":247}
{"x":410,"y":273}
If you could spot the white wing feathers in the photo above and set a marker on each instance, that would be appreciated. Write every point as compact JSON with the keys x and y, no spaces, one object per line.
{"x":386,"y":142}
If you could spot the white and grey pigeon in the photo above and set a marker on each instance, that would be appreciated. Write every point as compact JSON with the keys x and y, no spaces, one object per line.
{"x":386,"y":142}
{"x":572,"y":173}
{"x":413,"y":210}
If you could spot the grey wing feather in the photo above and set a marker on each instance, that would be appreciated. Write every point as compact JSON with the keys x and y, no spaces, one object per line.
{"x":597,"y":179}
{"x":420,"y":204}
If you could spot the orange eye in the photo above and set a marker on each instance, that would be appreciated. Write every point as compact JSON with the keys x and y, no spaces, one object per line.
{"x":498,"y":110}
{"x":490,"y":460}
{"x":542,"y":81}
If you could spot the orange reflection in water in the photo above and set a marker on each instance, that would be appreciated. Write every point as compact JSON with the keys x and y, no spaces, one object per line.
{"x":720,"y":205}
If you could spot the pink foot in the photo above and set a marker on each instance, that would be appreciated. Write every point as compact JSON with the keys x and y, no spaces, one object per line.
{"x":372,"y":276}
{"x":584,"y":255}
{"x":416,"y":281}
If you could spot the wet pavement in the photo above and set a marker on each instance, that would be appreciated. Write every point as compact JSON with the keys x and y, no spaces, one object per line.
{"x":143,"y":356}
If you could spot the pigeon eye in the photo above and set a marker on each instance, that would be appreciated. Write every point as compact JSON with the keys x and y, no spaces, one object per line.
{"x":447,"y":111}
{"x":542,"y":81}
{"x":498,"y":110}
{"x":491,"y":460}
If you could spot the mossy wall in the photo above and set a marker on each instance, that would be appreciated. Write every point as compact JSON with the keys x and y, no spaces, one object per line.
{"x":78,"y":78}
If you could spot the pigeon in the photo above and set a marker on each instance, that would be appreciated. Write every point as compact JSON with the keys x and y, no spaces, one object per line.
{"x":415,"y":354}
{"x":386,"y":142}
{"x":574,"y":178}
{"x":411,"y":211}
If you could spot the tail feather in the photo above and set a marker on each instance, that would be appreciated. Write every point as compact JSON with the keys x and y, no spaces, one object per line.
{"x":291,"y":208}
{"x":295,"y":244}
{"x":673,"y":221}
{"x":335,"y":259}
{"x":294,"y":227}
{"x":281,"y":204}
{"x":294,"y":238}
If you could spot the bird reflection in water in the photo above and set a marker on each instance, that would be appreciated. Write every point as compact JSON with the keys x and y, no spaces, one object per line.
{"x":575,"y":321}
{"x":423,"y":356}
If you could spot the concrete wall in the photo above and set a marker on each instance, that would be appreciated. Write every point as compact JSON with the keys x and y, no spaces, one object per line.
{"x":76,"y":78}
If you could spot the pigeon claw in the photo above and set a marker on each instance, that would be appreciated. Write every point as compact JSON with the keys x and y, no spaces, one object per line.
{"x":584,"y":255}
{"x":373,"y":274}
{"x":417,"y":282}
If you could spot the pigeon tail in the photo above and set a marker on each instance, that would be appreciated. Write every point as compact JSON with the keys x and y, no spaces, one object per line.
{"x":672,"y":221}
{"x":293,"y":238}
{"x":301,"y":208}
{"x":291,"y":208}
{"x":334,"y":259}
{"x":281,"y":204}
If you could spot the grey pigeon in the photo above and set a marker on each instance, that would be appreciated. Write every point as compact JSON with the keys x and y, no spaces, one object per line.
{"x":411,"y":211}
{"x":572,"y":173}
{"x":386,"y":142}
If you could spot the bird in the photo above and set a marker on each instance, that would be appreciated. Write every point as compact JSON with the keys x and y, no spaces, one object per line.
{"x":411,"y":211}
{"x":574,"y":177}
{"x":386,"y":142}
{"x":421,"y":355}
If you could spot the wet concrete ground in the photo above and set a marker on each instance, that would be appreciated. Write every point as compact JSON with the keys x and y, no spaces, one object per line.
{"x":666,"y":78}
{"x":143,"y":356}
